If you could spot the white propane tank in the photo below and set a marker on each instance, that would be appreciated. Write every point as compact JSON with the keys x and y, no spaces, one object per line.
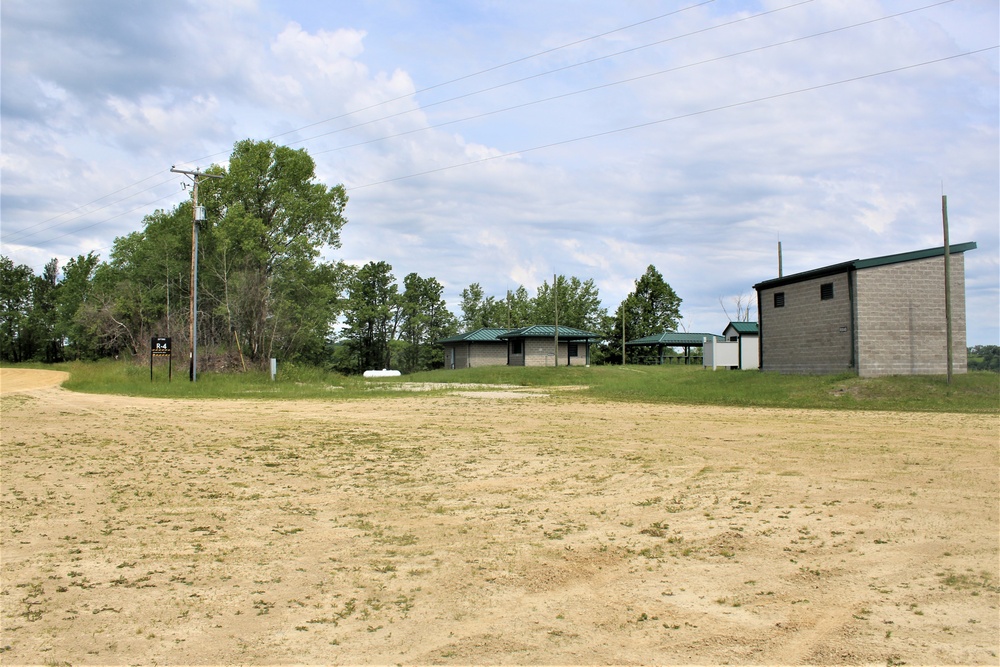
{"x":382,"y":374}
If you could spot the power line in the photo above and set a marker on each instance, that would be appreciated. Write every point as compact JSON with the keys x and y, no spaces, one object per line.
{"x":396,"y":99}
{"x":101,"y":222}
{"x":660,"y":121}
{"x":715,"y":27}
{"x":19,"y":235}
{"x":23,"y":236}
{"x":465,"y":77}
{"x":538,"y":75}
{"x":623,"y":81}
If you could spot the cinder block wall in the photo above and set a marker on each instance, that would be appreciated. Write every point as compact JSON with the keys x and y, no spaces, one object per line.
{"x":807,"y":335}
{"x":901,"y":318}
{"x":488,"y":354}
{"x":538,"y":351}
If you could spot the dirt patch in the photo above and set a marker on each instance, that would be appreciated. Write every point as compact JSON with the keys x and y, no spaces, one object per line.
{"x":437,"y":530}
{"x":18,"y":379}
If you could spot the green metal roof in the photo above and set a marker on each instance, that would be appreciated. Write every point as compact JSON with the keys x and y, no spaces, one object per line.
{"x":549,"y":331}
{"x":672,"y":338}
{"x":745,"y":327}
{"x":484,"y":335}
{"x":865,"y":264}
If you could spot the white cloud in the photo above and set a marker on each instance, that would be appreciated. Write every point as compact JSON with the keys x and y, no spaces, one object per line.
{"x":99,"y":97}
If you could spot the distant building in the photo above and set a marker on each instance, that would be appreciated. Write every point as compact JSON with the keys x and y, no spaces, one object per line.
{"x":662,"y":342}
{"x":746,"y":335}
{"x":475,"y":348}
{"x":527,"y":346}
{"x":879,"y":316}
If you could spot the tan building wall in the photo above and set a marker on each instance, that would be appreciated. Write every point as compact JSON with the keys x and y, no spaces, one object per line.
{"x":882,"y":320}
{"x":475,"y":354}
{"x":538,"y":352}
{"x":808,"y":334}
{"x":902,"y":328}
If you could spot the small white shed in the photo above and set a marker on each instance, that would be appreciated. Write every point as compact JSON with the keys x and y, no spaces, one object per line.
{"x":739,"y":348}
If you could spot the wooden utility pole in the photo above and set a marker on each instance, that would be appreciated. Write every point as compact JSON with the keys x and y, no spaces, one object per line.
{"x":555,"y":292}
{"x":197,"y":215}
{"x":947,"y":283}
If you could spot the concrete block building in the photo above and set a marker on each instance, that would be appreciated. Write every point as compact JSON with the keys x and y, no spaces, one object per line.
{"x":527,"y":346}
{"x":879,"y":316}
{"x":475,"y":348}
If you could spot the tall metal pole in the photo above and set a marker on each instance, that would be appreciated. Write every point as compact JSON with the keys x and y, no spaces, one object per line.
{"x":947,"y":283}
{"x":197,"y":215}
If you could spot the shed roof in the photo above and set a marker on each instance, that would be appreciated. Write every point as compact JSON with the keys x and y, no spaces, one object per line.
{"x":865,"y":264}
{"x":484,"y":335}
{"x":548,"y":331}
{"x":672,"y":338}
{"x":745,"y":327}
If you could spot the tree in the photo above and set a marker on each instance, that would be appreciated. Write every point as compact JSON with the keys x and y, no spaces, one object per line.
{"x":652,"y":308}
{"x":984,"y":358}
{"x":425,"y":319}
{"x":274,"y":219}
{"x":743,"y":307}
{"x":144,"y":288}
{"x":74,"y":292}
{"x":655,"y":306}
{"x":579,"y":304}
{"x":372,"y":314}
{"x":46,"y":344}
{"x":15,"y":305}
{"x":480,"y":311}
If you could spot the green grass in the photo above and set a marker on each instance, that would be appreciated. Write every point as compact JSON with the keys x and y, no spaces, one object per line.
{"x":694,"y":385}
{"x":129,"y":379}
{"x":973,"y":392}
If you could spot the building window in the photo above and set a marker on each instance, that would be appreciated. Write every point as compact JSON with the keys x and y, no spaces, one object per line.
{"x":573,"y":350}
{"x":515,"y":347}
{"x":826,"y":291}
{"x":779,"y":299}
{"x":734,"y":339}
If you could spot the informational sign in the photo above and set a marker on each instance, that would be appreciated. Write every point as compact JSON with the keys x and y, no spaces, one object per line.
{"x":160,"y":347}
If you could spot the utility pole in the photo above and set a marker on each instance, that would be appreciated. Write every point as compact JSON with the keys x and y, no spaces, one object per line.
{"x":555,"y":292}
{"x":947,"y":283}
{"x":198,"y":215}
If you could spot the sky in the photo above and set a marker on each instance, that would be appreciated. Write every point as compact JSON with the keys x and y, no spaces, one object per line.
{"x":503,"y":142}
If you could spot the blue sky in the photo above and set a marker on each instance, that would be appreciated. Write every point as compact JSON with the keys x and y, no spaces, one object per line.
{"x":489,"y":142}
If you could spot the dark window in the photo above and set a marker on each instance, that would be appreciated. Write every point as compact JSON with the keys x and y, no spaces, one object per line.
{"x":515,"y":347}
{"x":573,"y":350}
{"x":779,"y":299}
{"x":826,"y":291}
{"x":734,"y":339}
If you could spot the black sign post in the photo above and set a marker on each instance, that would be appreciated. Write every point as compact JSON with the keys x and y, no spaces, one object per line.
{"x":160,"y":347}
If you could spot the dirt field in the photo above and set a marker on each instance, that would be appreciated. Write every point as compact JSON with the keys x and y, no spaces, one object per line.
{"x":500,"y":528}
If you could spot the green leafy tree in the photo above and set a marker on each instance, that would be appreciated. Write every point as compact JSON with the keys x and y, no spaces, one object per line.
{"x":579,"y":303}
{"x":46,"y":344}
{"x":74,"y":292}
{"x":15,"y":305}
{"x":520,"y":308}
{"x":274,"y":220}
{"x":144,"y":288}
{"x":425,"y":319}
{"x":372,"y":313}
{"x":984,"y":358}
{"x":479,"y":310}
{"x":652,"y":308}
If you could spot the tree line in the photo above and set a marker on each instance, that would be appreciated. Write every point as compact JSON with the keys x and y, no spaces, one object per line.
{"x":265,"y":292}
